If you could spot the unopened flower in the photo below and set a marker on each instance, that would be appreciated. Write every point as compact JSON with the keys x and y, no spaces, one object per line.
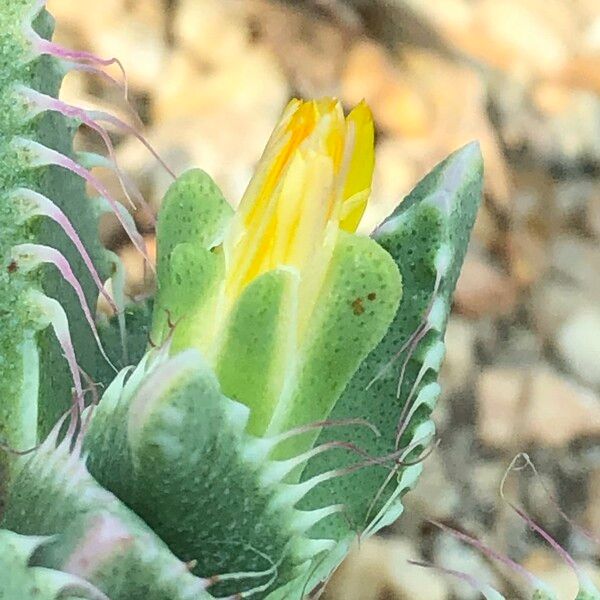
{"x":282,"y":297}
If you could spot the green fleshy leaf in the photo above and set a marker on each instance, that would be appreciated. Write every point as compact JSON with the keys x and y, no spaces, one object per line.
{"x":182,"y":459}
{"x":586,"y":595}
{"x":258,"y":349}
{"x":186,"y":304}
{"x":193,"y":210}
{"x":191,"y":222}
{"x":95,"y":537}
{"x":427,"y":236}
{"x":359,"y":298}
{"x":35,"y":381}
{"x":24,"y":582}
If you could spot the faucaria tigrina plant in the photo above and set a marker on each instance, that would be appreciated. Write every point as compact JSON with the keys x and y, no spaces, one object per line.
{"x":273,"y":399}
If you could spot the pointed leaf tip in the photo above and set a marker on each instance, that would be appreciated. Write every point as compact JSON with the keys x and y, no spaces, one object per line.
{"x":460,"y":168}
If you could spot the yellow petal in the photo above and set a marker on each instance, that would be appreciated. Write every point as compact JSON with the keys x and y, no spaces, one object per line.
{"x":361,"y":134}
{"x":313,"y":178}
{"x":353,"y":210}
{"x":306,"y":235}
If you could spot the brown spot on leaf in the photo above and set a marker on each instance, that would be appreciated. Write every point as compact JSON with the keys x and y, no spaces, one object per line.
{"x":357,"y":306}
{"x":371,"y":296}
{"x":12,"y":267}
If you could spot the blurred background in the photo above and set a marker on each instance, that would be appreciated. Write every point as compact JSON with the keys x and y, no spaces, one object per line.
{"x":209,"y":79}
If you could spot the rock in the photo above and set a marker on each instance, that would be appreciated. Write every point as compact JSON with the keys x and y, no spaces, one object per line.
{"x":140,"y":279}
{"x":445,"y":14}
{"x":528,"y":256}
{"x":216,"y":67}
{"x":486,"y":232}
{"x":593,"y":213}
{"x":136,"y":37}
{"x":482,"y":289}
{"x":551,"y":98}
{"x":574,"y":196}
{"x":519,"y":346}
{"x":578,"y":343}
{"x":558,"y":410}
{"x":425,"y":501}
{"x":458,"y":362}
{"x":131,"y":31}
{"x":87,"y":17}
{"x":517,"y":407}
{"x":212,"y":32}
{"x":415,"y":98}
{"x":582,"y":72}
{"x":553,"y":302}
{"x":312,"y":63}
{"x":523,"y":36}
{"x":499,"y":403}
{"x":578,"y":260}
{"x":379,"y":569}
{"x":189,"y":90}
{"x":533,"y":206}
{"x":549,"y":567}
{"x":592,"y":513}
{"x":397,"y":104}
{"x":486,"y":478}
{"x":526,"y":33}
{"x":555,"y":124}
{"x":537,"y":492}
{"x":589,"y":12}
{"x":592,"y":33}
{"x":450,"y":553}
{"x":570,"y":123}
{"x":208,"y":110}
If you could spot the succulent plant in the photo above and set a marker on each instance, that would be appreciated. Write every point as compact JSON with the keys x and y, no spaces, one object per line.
{"x":271,"y":403}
